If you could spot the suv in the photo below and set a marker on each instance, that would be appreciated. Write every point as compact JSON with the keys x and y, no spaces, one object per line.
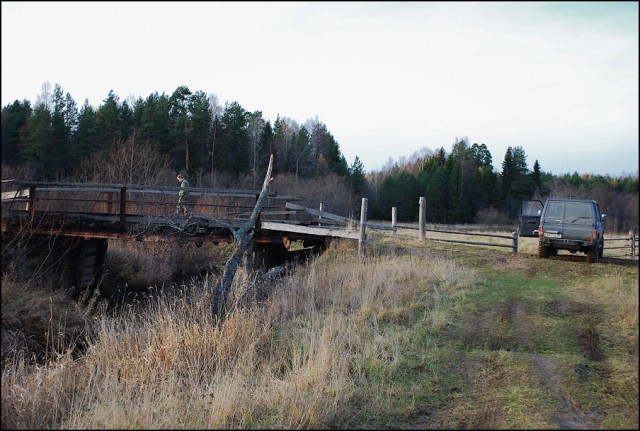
{"x":564,"y":224}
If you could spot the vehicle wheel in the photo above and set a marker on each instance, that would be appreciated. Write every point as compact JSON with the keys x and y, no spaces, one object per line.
{"x":543,"y":251}
{"x":592,"y":254}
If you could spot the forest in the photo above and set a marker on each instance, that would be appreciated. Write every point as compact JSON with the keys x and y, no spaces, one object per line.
{"x":148,"y":141}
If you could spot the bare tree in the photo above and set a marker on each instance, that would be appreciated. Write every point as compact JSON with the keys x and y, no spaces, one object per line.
{"x":129,"y":162}
{"x":44,"y":98}
{"x":241,"y":238}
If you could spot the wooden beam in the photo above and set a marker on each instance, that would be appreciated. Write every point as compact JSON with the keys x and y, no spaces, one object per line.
{"x":309,"y":230}
{"x":317,"y":213}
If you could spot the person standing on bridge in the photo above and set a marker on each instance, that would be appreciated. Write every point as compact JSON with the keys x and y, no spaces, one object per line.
{"x":183,"y":196}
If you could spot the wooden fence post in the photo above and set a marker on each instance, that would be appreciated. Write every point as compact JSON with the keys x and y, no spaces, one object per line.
{"x":632,"y":238}
{"x":421,"y":215}
{"x":394,"y":218}
{"x":515,"y":241}
{"x":363,"y":224}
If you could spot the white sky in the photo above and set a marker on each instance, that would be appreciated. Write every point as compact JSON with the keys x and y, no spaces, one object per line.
{"x":559,"y":79}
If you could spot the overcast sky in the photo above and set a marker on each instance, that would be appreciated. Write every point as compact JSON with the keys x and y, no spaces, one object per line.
{"x":559,"y":79}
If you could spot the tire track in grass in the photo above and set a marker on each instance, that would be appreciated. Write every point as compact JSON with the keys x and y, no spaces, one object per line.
{"x":570,"y":416}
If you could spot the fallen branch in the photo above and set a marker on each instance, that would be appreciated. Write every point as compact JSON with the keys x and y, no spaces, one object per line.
{"x":241,"y":239}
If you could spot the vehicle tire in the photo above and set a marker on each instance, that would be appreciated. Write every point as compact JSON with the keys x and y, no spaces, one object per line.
{"x":543,"y":251}
{"x":592,"y":254}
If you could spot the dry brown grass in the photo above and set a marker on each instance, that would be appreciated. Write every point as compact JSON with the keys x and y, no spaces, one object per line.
{"x":293,"y":362}
{"x":38,"y":324}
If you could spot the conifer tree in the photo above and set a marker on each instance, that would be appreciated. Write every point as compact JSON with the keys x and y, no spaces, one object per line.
{"x":234,"y":142}
{"x":14,"y":129}
{"x":356,"y":175}
{"x":180,"y":127}
{"x":86,"y":137}
{"x":38,"y":150}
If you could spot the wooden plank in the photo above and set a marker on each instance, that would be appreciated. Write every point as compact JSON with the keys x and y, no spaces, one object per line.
{"x":309,"y":230}
{"x":24,"y":193}
{"x":381,"y":227}
{"x":263,"y":213}
{"x":317,"y":213}
{"x":335,"y":217}
{"x":76,"y":189}
{"x":326,"y":221}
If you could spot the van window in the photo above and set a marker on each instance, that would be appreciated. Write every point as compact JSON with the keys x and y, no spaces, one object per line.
{"x":554,"y":211}
{"x":577,"y":213}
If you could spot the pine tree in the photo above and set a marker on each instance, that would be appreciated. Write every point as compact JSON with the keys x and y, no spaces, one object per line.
{"x":108,"y":124}
{"x":256,"y":148}
{"x":14,"y":131}
{"x":59,"y":157}
{"x":200,"y":133}
{"x":356,"y":174}
{"x":234,"y":142}
{"x":516,"y":182}
{"x":86,"y":138}
{"x":180,"y":130}
{"x":488,"y":181}
{"x":38,"y":149}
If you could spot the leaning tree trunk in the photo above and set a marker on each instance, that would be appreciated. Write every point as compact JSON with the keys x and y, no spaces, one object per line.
{"x":241,"y":238}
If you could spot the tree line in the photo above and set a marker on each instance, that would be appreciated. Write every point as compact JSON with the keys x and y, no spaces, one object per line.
{"x":188,"y":129}
{"x":462,"y":187}
{"x":190,"y":132}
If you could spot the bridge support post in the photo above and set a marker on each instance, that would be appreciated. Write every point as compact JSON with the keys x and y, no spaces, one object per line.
{"x":32,"y":202}
{"x":123,"y":205}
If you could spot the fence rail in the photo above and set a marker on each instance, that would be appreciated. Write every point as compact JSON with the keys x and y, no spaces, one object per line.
{"x":631,"y":245}
{"x":513,"y":238}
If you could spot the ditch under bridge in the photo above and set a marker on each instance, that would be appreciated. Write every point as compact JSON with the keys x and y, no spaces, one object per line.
{"x":59,"y":232}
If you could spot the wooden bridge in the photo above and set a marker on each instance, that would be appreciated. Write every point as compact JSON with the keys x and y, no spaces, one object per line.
{"x":77,"y":220}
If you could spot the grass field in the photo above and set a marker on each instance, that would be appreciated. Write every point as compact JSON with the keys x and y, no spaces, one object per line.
{"x":414,"y":335}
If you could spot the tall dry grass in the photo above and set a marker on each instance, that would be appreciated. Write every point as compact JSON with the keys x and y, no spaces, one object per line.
{"x":295,"y":360}
{"x":618,"y":294}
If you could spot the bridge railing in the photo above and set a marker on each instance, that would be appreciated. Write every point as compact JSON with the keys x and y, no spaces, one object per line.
{"x":120,"y":201}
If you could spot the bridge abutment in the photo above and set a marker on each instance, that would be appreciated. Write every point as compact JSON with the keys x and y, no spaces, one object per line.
{"x":57,"y":262}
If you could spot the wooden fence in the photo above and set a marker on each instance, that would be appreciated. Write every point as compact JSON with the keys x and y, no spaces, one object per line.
{"x":631,"y":241}
{"x":422,"y":230}
{"x":631,"y":245}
